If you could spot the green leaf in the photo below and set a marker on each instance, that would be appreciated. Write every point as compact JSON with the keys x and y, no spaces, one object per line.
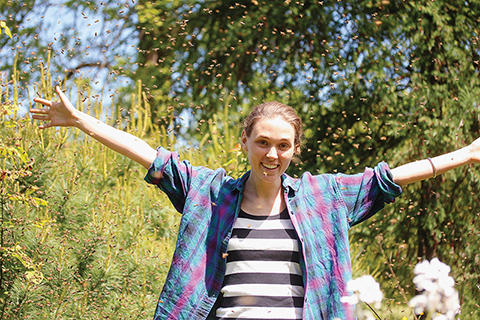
{"x":39,"y":202}
{"x":7,"y":29}
{"x":34,"y":276}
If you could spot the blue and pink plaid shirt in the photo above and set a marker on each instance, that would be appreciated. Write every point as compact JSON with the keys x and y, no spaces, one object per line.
{"x":322,"y":209}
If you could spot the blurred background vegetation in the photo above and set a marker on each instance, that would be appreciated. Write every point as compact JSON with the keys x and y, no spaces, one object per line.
{"x":386,"y":80}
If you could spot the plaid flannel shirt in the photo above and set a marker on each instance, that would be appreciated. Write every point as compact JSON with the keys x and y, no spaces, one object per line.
{"x":322,"y":209}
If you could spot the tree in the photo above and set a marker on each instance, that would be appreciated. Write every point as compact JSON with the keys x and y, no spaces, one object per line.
{"x":374,"y":80}
{"x":85,"y":39}
{"x":379,"y":80}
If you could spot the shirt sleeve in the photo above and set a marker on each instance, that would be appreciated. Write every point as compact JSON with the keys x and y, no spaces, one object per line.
{"x":172,"y":176}
{"x":365,"y":194}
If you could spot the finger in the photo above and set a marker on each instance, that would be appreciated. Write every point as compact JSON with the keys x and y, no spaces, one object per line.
{"x":41,"y":117}
{"x":45,"y":102}
{"x":45,"y":125}
{"x":62,"y":95}
{"x":39,"y":111}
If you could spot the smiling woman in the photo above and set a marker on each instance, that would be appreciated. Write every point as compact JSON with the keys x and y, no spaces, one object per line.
{"x":270,"y":147}
{"x":266,"y":245}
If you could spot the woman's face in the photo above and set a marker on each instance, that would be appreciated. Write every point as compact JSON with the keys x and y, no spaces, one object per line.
{"x":270,"y":148}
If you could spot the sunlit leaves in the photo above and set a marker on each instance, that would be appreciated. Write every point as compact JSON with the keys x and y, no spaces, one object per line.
{"x":5,"y":28}
{"x":373,"y":80}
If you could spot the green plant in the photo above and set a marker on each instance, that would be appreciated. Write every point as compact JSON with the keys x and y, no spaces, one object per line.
{"x":83,"y":235}
{"x":17,"y":195}
{"x":5,"y":28}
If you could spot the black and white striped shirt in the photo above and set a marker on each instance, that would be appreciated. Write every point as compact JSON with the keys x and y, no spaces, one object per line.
{"x":263,"y":279}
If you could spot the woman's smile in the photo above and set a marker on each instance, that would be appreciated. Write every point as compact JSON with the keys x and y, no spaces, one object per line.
{"x":270,"y":148}
{"x":270,"y":166}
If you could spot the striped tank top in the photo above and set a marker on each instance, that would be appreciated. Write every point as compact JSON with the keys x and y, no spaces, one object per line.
{"x":263,"y":279}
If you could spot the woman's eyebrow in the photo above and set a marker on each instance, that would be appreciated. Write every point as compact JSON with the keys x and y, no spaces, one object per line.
{"x":270,"y":138}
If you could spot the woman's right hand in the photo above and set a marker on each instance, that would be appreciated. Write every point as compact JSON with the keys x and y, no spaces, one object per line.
{"x":64,"y":114}
{"x":57,"y":114}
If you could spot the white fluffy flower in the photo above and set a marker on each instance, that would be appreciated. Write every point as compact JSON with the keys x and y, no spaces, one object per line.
{"x":438,"y":294}
{"x":352,"y":300}
{"x":364,"y":289}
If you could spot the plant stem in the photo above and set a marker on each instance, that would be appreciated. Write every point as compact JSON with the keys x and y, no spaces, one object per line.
{"x":396,"y":278}
{"x":373,"y":310}
{"x":2,"y":204}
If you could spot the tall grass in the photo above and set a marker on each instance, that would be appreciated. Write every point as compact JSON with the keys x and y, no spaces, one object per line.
{"x":82,"y":235}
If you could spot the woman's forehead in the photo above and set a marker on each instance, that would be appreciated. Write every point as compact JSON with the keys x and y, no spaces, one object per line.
{"x":274,"y":128}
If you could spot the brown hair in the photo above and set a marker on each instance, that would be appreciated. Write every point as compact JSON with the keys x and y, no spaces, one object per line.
{"x":271,"y":110}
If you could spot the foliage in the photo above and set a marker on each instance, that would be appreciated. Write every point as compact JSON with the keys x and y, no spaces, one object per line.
{"x":373,"y":80}
{"x":5,"y":28}
{"x":429,"y":108}
{"x":19,"y":192}
{"x":81,"y":235}
{"x":86,"y":39}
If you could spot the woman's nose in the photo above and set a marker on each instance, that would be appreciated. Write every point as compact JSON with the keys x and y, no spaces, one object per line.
{"x":272,"y":153}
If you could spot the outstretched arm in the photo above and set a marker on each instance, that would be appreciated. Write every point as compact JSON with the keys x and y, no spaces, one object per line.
{"x":428,"y":168}
{"x":64,"y":114}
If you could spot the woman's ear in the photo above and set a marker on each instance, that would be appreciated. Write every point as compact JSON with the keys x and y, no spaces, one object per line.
{"x":244,"y":141}
{"x":297,"y":150}
{"x":296,"y":155}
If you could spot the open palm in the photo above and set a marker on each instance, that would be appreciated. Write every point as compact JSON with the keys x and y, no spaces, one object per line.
{"x":58,"y":114}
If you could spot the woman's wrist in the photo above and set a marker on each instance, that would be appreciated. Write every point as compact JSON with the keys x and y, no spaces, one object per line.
{"x":474,"y":151}
{"x":83,"y":121}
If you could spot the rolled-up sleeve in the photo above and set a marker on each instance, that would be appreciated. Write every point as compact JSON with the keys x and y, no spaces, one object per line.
{"x":171,"y":176}
{"x":366,"y":193}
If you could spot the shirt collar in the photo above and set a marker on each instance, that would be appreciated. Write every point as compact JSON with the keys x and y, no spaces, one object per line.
{"x":287,"y":182}
{"x":241,"y":181}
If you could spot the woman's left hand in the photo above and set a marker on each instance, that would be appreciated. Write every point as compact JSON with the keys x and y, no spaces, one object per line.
{"x":474,"y":148}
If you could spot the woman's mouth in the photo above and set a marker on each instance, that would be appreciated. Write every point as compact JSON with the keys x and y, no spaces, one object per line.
{"x":270,"y":166}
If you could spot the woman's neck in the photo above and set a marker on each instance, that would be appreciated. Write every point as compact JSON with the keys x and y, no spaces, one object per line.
{"x":262,"y":200}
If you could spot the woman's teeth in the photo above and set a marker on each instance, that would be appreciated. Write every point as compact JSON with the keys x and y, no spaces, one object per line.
{"x":269,"y":166}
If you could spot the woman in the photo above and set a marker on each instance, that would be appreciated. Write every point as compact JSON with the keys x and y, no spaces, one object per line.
{"x":264,"y":246}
